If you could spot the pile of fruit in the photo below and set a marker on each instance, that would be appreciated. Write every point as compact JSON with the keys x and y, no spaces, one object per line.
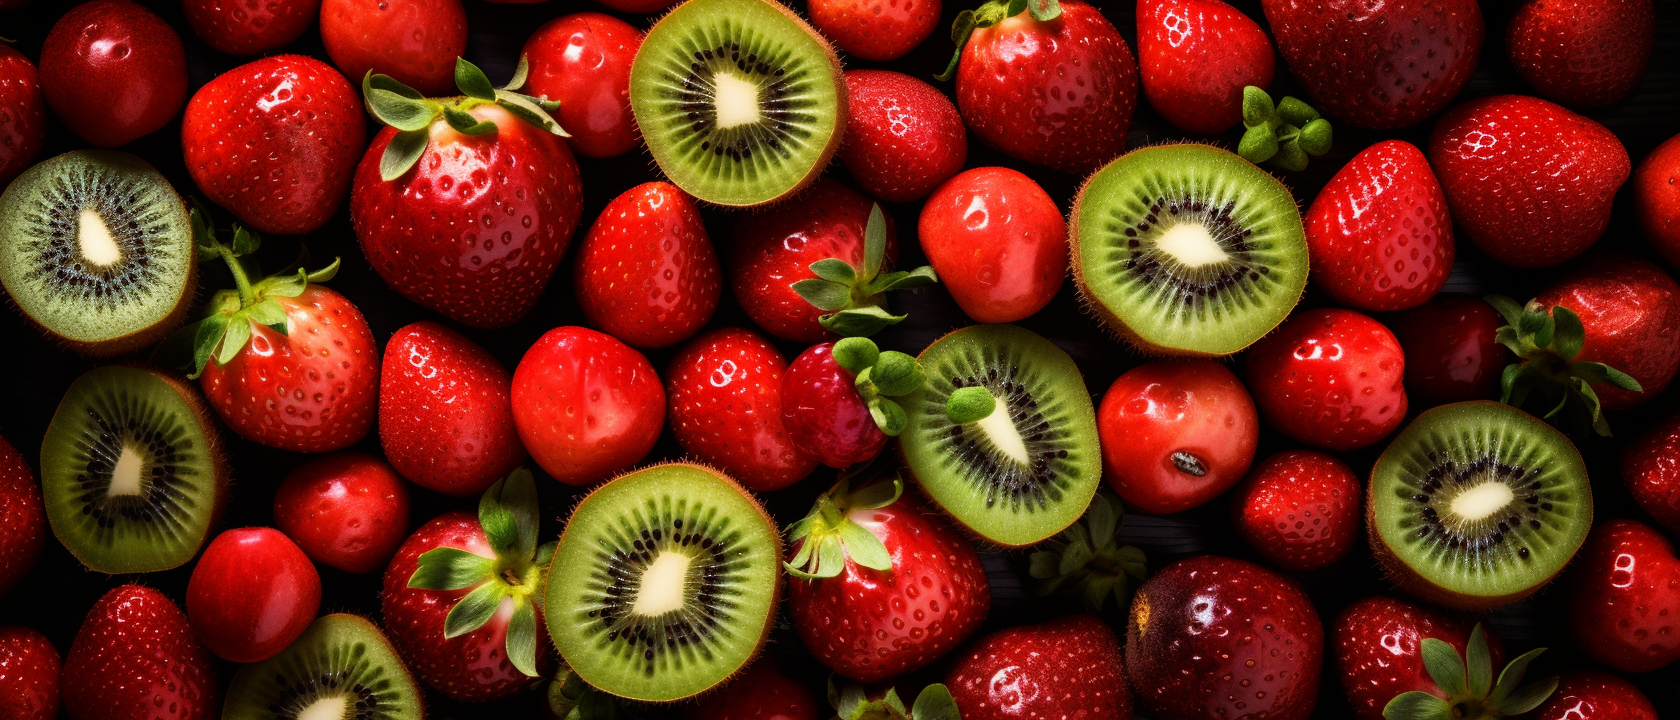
{"x":1356,"y":405}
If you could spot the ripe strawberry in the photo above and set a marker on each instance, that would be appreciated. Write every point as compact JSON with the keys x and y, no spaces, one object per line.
{"x":998,"y":242}
{"x":1623,"y":607}
{"x":1656,"y":193}
{"x":134,"y":659}
{"x":243,"y":27}
{"x":446,"y":419}
{"x":23,"y":114}
{"x":348,"y":510}
{"x":583,"y":61}
{"x":23,"y":520}
{"x":903,"y":137}
{"x":876,"y":30}
{"x":252,"y":593}
{"x":1651,"y":470}
{"x":1196,"y":57}
{"x":1331,"y":378}
{"x":1630,"y":309}
{"x":1593,"y":695}
{"x":724,"y":401}
{"x":463,"y":205}
{"x":1212,"y":637}
{"x":1378,"y":234}
{"x":1528,"y":181}
{"x":879,"y":585}
{"x":1300,"y":509}
{"x":837,"y":399}
{"x":586,"y":405}
{"x":1452,"y":353}
{"x":646,"y":272}
{"x":113,"y":71}
{"x":495,"y":645}
{"x":1383,"y":65}
{"x":413,"y":41}
{"x":1049,"y":86}
{"x":1582,"y":53}
{"x":1067,"y":668}
{"x":760,"y":692}
{"x":28,"y":675}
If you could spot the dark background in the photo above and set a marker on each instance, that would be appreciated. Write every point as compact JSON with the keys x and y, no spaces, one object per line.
{"x":56,"y":596}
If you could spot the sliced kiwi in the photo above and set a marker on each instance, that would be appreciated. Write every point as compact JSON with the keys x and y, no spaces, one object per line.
{"x":341,"y":668}
{"x":1477,"y":504}
{"x":131,"y":471}
{"x":740,"y":101}
{"x":1029,"y":467}
{"x":664,"y":583}
{"x":96,"y":248}
{"x":1188,"y":249}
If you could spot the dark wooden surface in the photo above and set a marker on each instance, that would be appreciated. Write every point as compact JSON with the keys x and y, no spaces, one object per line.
{"x":59,"y":592}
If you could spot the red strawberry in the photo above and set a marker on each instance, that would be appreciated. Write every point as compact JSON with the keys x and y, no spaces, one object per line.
{"x":1331,"y":378}
{"x":1656,"y":192}
{"x":646,"y":272}
{"x":1451,"y":351}
{"x":413,"y":41}
{"x":1379,"y":65}
{"x":1624,"y":597}
{"x":1196,"y":57}
{"x":998,"y":242}
{"x":837,"y":399}
{"x":113,"y":71}
{"x":1582,"y":53}
{"x":347,"y":510}
{"x":583,"y":61}
{"x":463,"y":205}
{"x":23,"y":114}
{"x":1528,"y":181}
{"x":876,"y":30}
{"x":1593,"y":695}
{"x":1378,"y":233}
{"x":244,"y":27}
{"x":879,"y":585}
{"x":1067,"y":668}
{"x":903,"y":137}
{"x":1052,"y":87}
{"x":28,"y":675}
{"x":586,"y":405}
{"x":275,"y":142}
{"x":135,"y":659}
{"x":1300,"y":509}
{"x":1631,"y":312}
{"x":447,"y":411}
{"x":724,"y":402}
{"x":760,"y":692}
{"x":23,"y":520}
{"x":1651,"y":470}
{"x":476,"y":656}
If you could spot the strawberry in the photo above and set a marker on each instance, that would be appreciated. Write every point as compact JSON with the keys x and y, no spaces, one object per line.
{"x":1656,"y":193}
{"x":1378,"y":234}
{"x":586,"y":405}
{"x":465,"y":205}
{"x":1630,"y":310}
{"x":1622,"y":601}
{"x":1592,"y":695}
{"x":646,"y":272}
{"x":724,"y":402}
{"x":1300,"y":509}
{"x":1196,"y":56}
{"x":23,"y":520}
{"x":880,"y":586}
{"x":903,"y":137}
{"x":1213,"y":637}
{"x":1052,"y":84}
{"x":876,"y":30}
{"x":28,"y":675}
{"x":1452,"y":350}
{"x":837,"y":399}
{"x":460,"y":597}
{"x":1651,"y":470}
{"x":242,"y":27}
{"x":856,"y":703}
{"x":135,"y":659}
{"x":760,"y":692}
{"x":1331,"y":378}
{"x":1529,"y":182}
{"x":113,"y":72}
{"x":23,"y":114}
{"x":1582,"y":53}
{"x":447,"y":418}
{"x":275,"y":142}
{"x":1067,"y":668}
{"x":1379,"y":65}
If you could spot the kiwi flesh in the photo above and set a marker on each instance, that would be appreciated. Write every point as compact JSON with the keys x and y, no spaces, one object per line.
{"x":1030,"y":468}
{"x":1477,"y":504}
{"x":740,"y":101}
{"x":1187,"y":249}
{"x":132,"y":473}
{"x":341,"y":668}
{"x":664,"y":583}
{"x":96,"y":248}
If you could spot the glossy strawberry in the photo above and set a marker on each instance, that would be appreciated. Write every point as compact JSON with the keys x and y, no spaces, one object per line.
{"x":1381,"y":65}
{"x":1623,"y":597}
{"x":583,"y":61}
{"x":1331,"y":378}
{"x":414,"y":41}
{"x":640,"y":7}
{"x":1650,"y":468}
{"x":1196,"y":56}
{"x":997,"y":241}
{"x":1176,"y":434}
{"x":1529,"y":182}
{"x":249,"y":27}
{"x":135,"y":656}
{"x":903,"y":137}
{"x":586,"y":405}
{"x":724,"y":403}
{"x":1378,"y":234}
{"x":251,"y":594}
{"x":1451,"y":353}
{"x":347,"y":510}
{"x":1593,"y":695}
{"x":646,"y":273}
{"x":1582,"y":53}
{"x":1299,"y":509}
{"x":760,"y":692}
{"x":23,"y":520}
{"x":113,"y":71}
{"x":1067,"y":668}
{"x":835,"y":412}
{"x":446,"y":418}
{"x":1656,"y":193}
{"x":28,"y":675}
{"x":1630,"y":309}
{"x":275,"y":142}
{"x":23,"y":114}
{"x":875,"y":29}
{"x":1379,"y":650}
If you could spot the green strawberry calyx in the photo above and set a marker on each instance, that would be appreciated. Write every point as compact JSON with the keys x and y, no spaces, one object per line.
{"x":570,"y":698}
{"x":880,"y":376}
{"x":991,"y":14}
{"x":1469,"y":685}
{"x":1283,"y":134}
{"x":852,"y":702}
{"x":1087,"y":559}
{"x":828,"y":537}
{"x":854,"y":297}
{"x":1549,"y":376}
{"x":411,"y":113}
{"x":508,"y":514}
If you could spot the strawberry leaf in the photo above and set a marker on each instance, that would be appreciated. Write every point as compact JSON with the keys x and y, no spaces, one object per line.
{"x":397,"y":105}
{"x":874,"y":242}
{"x":472,"y":81}
{"x":447,"y":568}
{"x":894,"y":374}
{"x":268,"y":312}
{"x":969,"y":404}
{"x":1258,"y":144}
{"x":404,"y":151}
{"x":824,"y":294}
{"x":1417,"y":705}
{"x":463,"y":122}
{"x":863,"y":548}
{"x":834,"y":270}
{"x":1479,"y":663}
{"x":245,"y":242}
{"x":521,"y":72}
{"x":1511,"y":676}
{"x":209,"y":337}
{"x":473,"y":610}
{"x":1444,"y":665}
{"x":888,"y":415}
{"x":877,"y":495}
{"x":233,"y":340}
{"x":531,"y":111}
{"x":856,"y":354}
{"x":522,"y":639}
{"x":1507,"y":308}
{"x":508,"y":513}
{"x":1568,"y":334}
{"x":1547,"y":340}
{"x":935,"y":701}
{"x":1315,"y":137}
{"x":859,"y":322}
{"x":1528,"y":697}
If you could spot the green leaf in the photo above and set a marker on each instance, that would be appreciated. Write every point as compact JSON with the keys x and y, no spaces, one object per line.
{"x":846,"y":701}
{"x":522,"y":639}
{"x":472,"y":81}
{"x":969,"y":404}
{"x":1601,"y":374}
{"x":935,"y":702}
{"x":1508,"y":382}
{"x":1417,"y":705}
{"x":447,"y":568}
{"x":831,"y":557}
{"x":1445,"y":667}
{"x":961,"y":28}
{"x":859,"y":322}
{"x":888,"y":416}
{"x":238,"y":333}
{"x":874,"y":242}
{"x":1507,"y":308}
{"x":904,"y":280}
{"x":286,"y":285}
{"x":1098,"y":588}
{"x":1528,"y":697}
{"x":404,"y":151}
{"x":473,"y":610}
{"x":824,"y":294}
{"x":1543,"y":335}
{"x":1315,"y":137}
{"x":835,"y":270}
{"x":1104,"y":521}
{"x":521,"y":72}
{"x":1569,"y":335}
{"x":463,"y":122}
{"x":1290,"y":157}
{"x":876,"y":495}
{"x":1507,"y":335}
{"x":1296,"y":112}
{"x":512,"y":505}
{"x":209,"y":337}
{"x":863,"y":547}
{"x":1257,"y":108}
{"x":856,"y":354}
{"x":371,"y":81}
{"x":401,"y":112}
{"x":245,"y":242}
{"x":529,"y":110}
{"x":324,"y":274}
{"x":268,"y":312}
{"x":501,"y":528}
{"x":1074,"y":557}
{"x":1531,"y":321}
{"x":896,"y":374}
{"x":1512,"y":676}
{"x":1044,"y":565}
{"x":545,"y":554}
{"x":1479,"y":663}
{"x":1259,"y":144}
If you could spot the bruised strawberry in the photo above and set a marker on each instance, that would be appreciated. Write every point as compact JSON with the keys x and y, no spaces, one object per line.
{"x":724,"y":394}
{"x":1378,"y":234}
{"x":1067,"y":668}
{"x":1582,"y":53}
{"x":646,"y":272}
{"x":1196,"y":57}
{"x":134,"y":655}
{"x":446,"y":419}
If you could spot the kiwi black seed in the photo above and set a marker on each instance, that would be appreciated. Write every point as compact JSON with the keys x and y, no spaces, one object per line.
{"x":96,"y":249}
{"x":1477,"y":504}
{"x":132,"y":473}
{"x":1188,"y":249}
{"x":341,"y":668}
{"x":1029,"y":469}
{"x":664,"y":583}
{"x":740,"y":101}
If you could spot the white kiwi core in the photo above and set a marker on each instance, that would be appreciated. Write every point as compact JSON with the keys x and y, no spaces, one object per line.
{"x":125,"y":475}
{"x":1483,"y":500}
{"x":332,"y":707}
{"x":98,"y":247}
{"x":1192,"y":245}
{"x":662,"y":585}
{"x":1000,"y":428}
{"x":736,"y":100}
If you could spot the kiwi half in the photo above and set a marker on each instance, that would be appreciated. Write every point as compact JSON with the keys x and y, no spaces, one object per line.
{"x":1188,"y":249}
{"x":1027,"y":470}
{"x":1477,"y":504}
{"x":341,"y":668}
{"x":96,"y":248}
{"x":131,"y":471}
{"x":664,"y":583}
{"x":740,"y":101}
